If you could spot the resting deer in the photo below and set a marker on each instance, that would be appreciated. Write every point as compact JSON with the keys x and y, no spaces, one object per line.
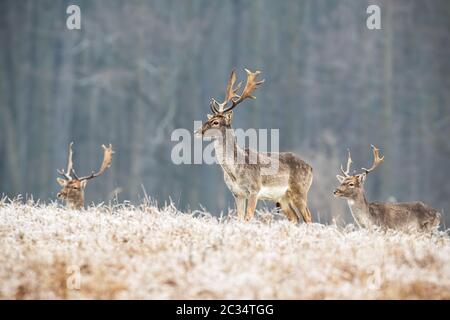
{"x":287,"y":187}
{"x":402,"y":216}
{"x":73,"y":187}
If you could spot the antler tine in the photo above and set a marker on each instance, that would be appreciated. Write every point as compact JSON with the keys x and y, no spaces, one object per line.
{"x":70,"y":161}
{"x":107,"y":157}
{"x":214,"y":106}
{"x":376,"y":159}
{"x":349,"y":163}
{"x":62,"y":173}
{"x":67,"y":174}
{"x":73,"y":174}
{"x":231,"y":89}
{"x":230,"y":94}
{"x":250,"y":86}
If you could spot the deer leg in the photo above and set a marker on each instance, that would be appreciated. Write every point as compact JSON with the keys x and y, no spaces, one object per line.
{"x":289,"y":212}
{"x":307,"y":214}
{"x":301,"y":206}
{"x":251,"y":206}
{"x":240,"y":207}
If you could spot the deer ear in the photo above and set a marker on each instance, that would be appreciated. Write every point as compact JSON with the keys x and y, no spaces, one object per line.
{"x":83,"y":184}
{"x":228,"y":116}
{"x":362,"y":177}
{"x":61,"y":182}
{"x":209,"y":116}
{"x":340,"y":178}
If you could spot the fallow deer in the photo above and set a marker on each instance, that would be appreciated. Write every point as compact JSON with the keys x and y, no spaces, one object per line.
{"x":73,"y":187}
{"x":405,"y":216}
{"x":248,"y":182}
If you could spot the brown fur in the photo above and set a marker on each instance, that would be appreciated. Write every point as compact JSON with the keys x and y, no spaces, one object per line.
{"x":400,"y":216}
{"x":246,"y":181}
{"x":72,"y":193}
{"x":73,"y":187}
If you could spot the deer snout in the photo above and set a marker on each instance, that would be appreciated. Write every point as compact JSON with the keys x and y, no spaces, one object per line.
{"x":337,"y":192}
{"x":61,"y":195}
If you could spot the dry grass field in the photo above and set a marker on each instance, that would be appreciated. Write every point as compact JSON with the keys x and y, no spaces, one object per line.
{"x":125,"y":252}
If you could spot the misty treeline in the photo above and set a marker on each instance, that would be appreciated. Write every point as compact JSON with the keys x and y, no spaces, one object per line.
{"x":137,"y":70}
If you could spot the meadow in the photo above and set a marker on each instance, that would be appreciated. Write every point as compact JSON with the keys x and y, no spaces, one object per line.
{"x":150,"y":252}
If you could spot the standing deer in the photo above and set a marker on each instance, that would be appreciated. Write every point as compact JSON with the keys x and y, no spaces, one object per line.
{"x":287,"y":187}
{"x":402,"y":216}
{"x":73,"y":187}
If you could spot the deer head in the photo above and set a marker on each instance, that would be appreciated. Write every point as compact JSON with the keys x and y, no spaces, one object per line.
{"x":352,"y":186}
{"x":73,"y":187}
{"x":222,"y":113}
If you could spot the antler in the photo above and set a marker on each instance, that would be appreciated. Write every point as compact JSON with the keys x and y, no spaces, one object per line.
{"x":250,"y":86}
{"x":214,"y":105}
{"x":349,"y":163}
{"x":376,"y":160}
{"x":107,"y":156}
{"x":231,"y":89}
{"x":69,"y":172}
{"x":231,"y":93}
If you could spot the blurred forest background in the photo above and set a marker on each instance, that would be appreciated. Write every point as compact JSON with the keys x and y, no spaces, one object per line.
{"x":137,"y":70}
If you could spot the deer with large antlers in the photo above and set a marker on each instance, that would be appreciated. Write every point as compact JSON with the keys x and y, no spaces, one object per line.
{"x":73,"y":187}
{"x":401,"y":216}
{"x":247,"y":180}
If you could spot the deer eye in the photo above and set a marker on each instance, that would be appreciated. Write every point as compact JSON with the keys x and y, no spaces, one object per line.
{"x":351,"y":184}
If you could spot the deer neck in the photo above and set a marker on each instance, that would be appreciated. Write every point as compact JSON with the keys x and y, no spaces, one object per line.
{"x":359,"y":208}
{"x":76,"y":203}
{"x":227,"y":150}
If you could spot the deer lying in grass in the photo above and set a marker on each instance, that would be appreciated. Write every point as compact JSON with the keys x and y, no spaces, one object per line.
{"x":287,"y":187}
{"x":401,"y":216}
{"x":73,"y":187}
